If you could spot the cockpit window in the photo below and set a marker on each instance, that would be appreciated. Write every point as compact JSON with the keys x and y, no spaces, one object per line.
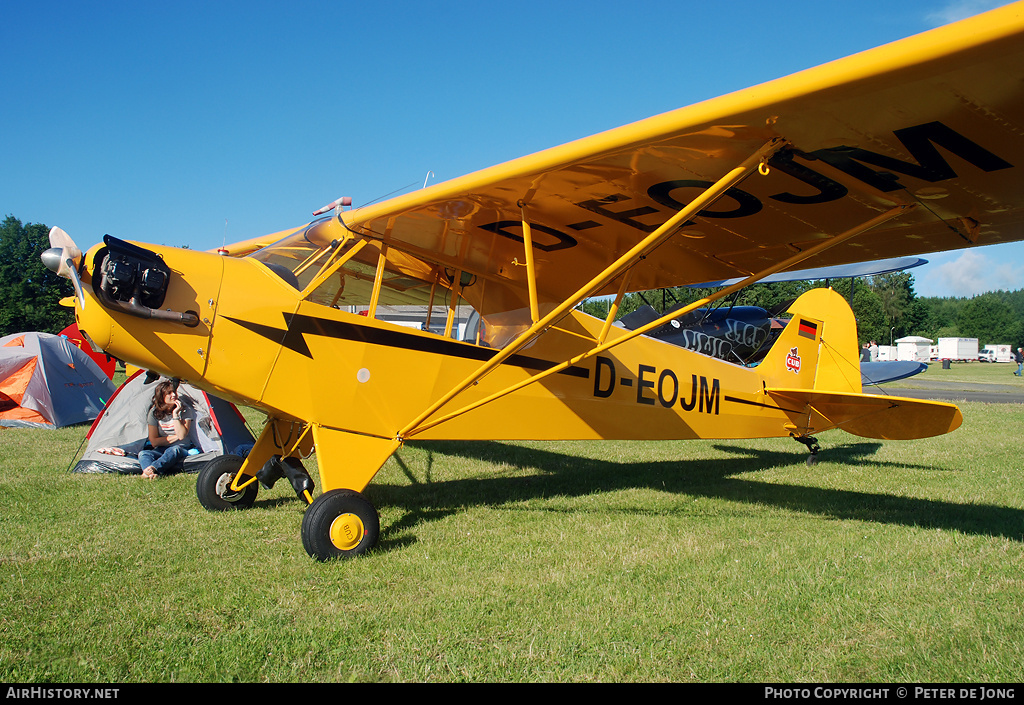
{"x":404,"y":280}
{"x":412,"y":291}
{"x":298,"y":257}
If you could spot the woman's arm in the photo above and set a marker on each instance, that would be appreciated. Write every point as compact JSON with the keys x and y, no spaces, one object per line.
{"x":181,"y":426}
{"x":155,"y":439}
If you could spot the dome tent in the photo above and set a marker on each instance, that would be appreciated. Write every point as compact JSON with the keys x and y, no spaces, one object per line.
{"x":47,"y":382}
{"x":219,"y":428}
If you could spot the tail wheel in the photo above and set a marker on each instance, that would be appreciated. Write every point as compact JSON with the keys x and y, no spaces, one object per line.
{"x":340,"y":524}
{"x":213,"y":486}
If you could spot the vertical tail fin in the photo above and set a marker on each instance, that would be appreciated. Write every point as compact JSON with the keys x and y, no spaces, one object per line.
{"x":825,"y":391}
{"x":818,"y":348}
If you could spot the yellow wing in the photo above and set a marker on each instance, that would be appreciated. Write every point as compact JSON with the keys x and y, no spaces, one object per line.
{"x":935,"y":121}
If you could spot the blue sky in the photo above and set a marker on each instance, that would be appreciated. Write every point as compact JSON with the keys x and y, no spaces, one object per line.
{"x":196,"y":123}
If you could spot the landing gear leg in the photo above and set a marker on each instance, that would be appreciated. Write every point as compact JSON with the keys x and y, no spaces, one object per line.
{"x":812,"y":445}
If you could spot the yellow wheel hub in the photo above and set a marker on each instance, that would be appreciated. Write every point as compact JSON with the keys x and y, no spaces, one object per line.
{"x":347,"y":531}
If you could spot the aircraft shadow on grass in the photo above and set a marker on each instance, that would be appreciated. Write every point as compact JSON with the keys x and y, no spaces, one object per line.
{"x":559,"y":474}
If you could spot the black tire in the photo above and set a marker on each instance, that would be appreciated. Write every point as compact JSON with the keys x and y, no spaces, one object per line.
{"x":215,"y":479}
{"x":340,"y":524}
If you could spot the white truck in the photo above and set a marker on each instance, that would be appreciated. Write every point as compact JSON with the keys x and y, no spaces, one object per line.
{"x":995,"y":353}
{"x":958,"y":349}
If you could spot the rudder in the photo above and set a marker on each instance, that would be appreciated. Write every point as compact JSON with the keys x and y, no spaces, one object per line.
{"x":818,"y":347}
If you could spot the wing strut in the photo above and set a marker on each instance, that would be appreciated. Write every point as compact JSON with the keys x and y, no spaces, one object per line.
{"x":614,"y":308}
{"x":377,"y":279}
{"x":754,"y":162}
{"x":531,"y":270}
{"x":603,"y":346}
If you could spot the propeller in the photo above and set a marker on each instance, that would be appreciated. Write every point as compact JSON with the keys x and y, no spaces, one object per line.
{"x":59,"y":238}
{"x":63,"y":258}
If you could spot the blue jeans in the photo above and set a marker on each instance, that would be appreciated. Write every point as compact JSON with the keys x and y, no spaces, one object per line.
{"x":165,"y":460}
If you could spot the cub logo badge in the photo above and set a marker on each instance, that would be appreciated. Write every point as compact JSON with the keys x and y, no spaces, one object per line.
{"x":793,"y":360}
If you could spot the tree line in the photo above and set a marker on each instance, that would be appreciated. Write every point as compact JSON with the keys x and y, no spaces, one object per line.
{"x":30,"y":293}
{"x":886,"y":306}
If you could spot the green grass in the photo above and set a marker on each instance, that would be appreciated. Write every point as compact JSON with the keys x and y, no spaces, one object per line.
{"x":614,"y":561}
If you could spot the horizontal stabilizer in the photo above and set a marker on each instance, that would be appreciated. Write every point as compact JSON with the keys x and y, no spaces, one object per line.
{"x":889,"y":371}
{"x":867,"y":415}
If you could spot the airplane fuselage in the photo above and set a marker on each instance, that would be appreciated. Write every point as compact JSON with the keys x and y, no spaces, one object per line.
{"x":259,"y":344}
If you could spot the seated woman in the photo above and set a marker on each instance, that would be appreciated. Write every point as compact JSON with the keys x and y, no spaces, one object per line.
{"x":170,"y":423}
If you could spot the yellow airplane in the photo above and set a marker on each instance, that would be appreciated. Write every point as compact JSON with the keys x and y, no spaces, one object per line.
{"x":909,"y":148}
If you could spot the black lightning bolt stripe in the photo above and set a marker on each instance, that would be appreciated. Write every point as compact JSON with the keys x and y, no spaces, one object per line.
{"x":737,"y":400}
{"x":293,"y":338}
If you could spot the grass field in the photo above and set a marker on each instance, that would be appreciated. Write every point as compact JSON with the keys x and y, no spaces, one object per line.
{"x":614,"y":561}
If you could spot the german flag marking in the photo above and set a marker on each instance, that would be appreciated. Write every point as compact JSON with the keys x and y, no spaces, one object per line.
{"x":808,"y":329}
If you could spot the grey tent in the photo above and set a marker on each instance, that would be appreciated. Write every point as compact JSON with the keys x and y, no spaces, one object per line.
{"x":219,"y":428}
{"x":47,"y":382}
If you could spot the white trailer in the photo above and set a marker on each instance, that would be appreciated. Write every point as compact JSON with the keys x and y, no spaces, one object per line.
{"x":996,"y":353}
{"x":888,"y":353}
{"x":913,"y":348}
{"x":958,"y":349}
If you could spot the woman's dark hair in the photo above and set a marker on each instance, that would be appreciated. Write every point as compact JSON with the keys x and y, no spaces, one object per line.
{"x":160,"y":409}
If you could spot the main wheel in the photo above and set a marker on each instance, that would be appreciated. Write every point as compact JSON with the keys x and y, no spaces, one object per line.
{"x":339,"y":524}
{"x":213,"y":487}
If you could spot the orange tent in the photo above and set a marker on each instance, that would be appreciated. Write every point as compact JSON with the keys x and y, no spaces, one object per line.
{"x":47,"y":382}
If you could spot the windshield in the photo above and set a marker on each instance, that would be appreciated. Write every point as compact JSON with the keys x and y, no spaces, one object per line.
{"x":367,"y":277}
{"x":298,"y":257}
